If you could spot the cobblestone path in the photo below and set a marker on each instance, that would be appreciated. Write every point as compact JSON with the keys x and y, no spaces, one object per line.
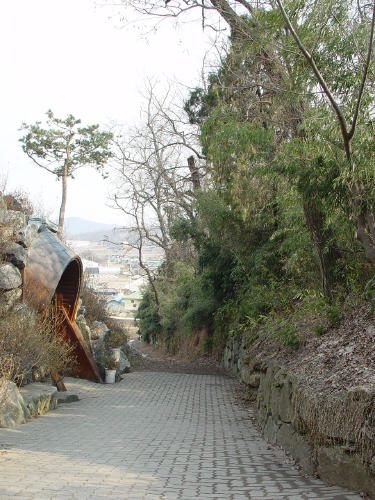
{"x":154,"y":435}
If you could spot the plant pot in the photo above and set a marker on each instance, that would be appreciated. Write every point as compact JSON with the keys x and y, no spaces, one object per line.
{"x":110,"y":376}
{"x":116,"y":353}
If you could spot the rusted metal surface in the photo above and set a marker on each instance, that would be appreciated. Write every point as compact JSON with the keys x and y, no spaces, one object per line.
{"x":87,"y":369}
{"x":53,"y":274}
{"x":48,"y":261}
{"x":58,"y":381}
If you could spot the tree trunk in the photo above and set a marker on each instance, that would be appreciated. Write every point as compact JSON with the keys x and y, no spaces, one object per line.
{"x":64,"y":182}
{"x":194,"y":172}
{"x":326,"y":255}
{"x":150,"y":277}
{"x":365,"y":234}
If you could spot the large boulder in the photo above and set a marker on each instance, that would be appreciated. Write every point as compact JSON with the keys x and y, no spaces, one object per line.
{"x":12,"y":218}
{"x":335,"y":465}
{"x":85,"y":329}
{"x":16,"y":254}
{"x":10,"y":277}
{"x":98,"y":330}
{"x":124,"y":363}
{"x":27,"y":234}
{"x":8,"y":299}
{"x":39,"y":398}
{"x":3,"y":205}
{"x":13,"y":409}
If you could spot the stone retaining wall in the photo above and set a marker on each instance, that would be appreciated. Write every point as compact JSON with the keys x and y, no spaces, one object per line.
{"x":329,"y":436}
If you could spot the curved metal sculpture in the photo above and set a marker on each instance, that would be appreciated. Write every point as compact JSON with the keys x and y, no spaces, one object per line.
{"x":53,"y":274}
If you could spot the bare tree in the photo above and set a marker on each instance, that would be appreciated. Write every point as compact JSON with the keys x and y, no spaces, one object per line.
{"x":157,"y":163}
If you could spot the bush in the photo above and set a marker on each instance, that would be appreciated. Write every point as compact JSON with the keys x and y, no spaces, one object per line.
{"x":117,"y":338}
{"x":287,"y":334}
{"x":19,"y":200}
{"x":96,"y":310}
{"x":149,"y":320}
{"x":29,"y":345}
{"x":95,"y":306}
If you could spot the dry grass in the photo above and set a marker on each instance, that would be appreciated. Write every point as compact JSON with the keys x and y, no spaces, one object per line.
{"x":29,"y":345}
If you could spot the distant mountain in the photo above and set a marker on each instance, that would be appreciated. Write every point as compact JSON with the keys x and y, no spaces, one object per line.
{"x":76,"y":228}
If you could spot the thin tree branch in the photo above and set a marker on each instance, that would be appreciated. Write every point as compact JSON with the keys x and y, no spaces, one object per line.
{"x":364,"y":75}
{"x":310,"y":60}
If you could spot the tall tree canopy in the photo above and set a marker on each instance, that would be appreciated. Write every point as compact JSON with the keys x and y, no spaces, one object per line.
{"x":322,"y":52}
{"x":63,"y":147}
{"x":286,"y":129}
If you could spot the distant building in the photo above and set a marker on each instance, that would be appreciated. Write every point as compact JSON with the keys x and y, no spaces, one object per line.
{"x":90,"y":267}
{"x":106,"y":292}
{"x":154,"y":264}
{"x":116,"y":305}
{"x":91,"y":270}
{"x":109,"y":270}
{"x":132,"y":301}
{"x":78,"y":243}
{"x":127,"y":304}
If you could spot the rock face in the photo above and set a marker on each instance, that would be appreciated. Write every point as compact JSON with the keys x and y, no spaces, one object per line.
{"x":124,"y":363}
{"x":19,"y":233}
{"x":18,"y":406}
{"x":328,"y":436}
{"x":10,"y":277}
{"x":16,"y":254}
{"x":233,"y":354}
{"x":9,"y":298}
{"x":85,"y":329}
{"x":12,"y":218}
{"x":39,"y":398}
{"x":338,"y":466}
{"x":13,"y":410}
{"x":27,"y":234}
{"x":98,"y":330}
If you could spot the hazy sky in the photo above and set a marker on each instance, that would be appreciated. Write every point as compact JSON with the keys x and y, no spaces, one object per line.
{"x":68,"y":56}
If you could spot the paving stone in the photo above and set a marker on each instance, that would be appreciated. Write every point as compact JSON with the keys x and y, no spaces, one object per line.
{"x":152,"y":436}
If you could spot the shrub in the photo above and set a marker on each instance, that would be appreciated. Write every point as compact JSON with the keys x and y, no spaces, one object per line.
{"x":149,"y":320}
{"x":96,"y":310}
{"x":29,"y":345}
{"x":320,"y":330}
{"x":287,"y":334}
{"x":19,"y":200}
{"x":95,"y":306}
{"x":106,"y":359}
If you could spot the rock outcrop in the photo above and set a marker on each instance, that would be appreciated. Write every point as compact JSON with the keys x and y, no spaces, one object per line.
{"x":13,"y":410}
{"x":18,"y":233}
{"x":21,"y":405}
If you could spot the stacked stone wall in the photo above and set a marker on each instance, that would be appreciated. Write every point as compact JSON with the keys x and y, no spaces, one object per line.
{"x":328,"y":436}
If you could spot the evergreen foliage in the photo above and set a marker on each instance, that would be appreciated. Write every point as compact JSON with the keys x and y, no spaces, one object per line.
{"x":286,"y":129}
{"x":63,"y":147}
